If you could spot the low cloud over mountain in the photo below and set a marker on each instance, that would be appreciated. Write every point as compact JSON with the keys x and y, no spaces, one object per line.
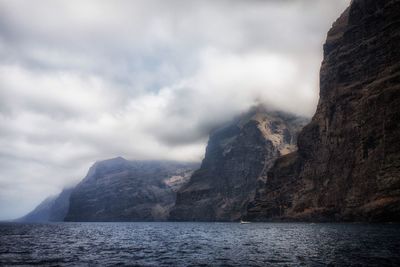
{"x":80,"y":82}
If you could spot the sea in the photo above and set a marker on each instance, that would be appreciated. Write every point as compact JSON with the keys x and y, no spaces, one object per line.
{"x":199,"y":244}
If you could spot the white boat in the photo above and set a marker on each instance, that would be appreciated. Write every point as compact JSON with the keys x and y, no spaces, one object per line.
{"x":243,"y":222}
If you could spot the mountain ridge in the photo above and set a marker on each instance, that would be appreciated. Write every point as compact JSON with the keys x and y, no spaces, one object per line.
{"x":236,"y":154}
{"x":120,"y":190}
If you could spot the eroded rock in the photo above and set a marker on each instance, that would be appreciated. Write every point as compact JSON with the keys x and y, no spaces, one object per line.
{"x":347,"y":167}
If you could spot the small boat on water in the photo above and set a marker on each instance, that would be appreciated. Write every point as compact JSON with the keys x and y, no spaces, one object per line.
{"x":243,"y":222}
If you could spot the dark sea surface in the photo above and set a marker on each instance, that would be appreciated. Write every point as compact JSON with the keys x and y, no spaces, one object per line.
{"x":199,"y":244}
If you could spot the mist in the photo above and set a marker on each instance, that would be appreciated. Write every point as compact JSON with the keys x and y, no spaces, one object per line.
{"x":90,"y":80}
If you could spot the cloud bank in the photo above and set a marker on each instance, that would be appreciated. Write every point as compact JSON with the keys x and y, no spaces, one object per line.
{"x":82,"y":81}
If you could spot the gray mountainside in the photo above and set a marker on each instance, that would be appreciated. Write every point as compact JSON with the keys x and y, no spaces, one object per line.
{"x":236,"y":155}
{"x":122,"y":190}
{"x":53,"y":209}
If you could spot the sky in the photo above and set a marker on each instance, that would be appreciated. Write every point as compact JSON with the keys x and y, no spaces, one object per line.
{"x":82,"y":81}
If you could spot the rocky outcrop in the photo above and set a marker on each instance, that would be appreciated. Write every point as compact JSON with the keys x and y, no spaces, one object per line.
{"x":235,"y":157}
{"x":347,"y":167}
{"x":52,"y":209}
{"x":122,"y":190}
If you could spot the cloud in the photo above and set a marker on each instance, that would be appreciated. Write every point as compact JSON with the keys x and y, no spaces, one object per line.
{"x":89,"y":80}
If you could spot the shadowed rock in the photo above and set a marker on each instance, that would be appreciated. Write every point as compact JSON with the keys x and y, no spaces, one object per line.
{"x":122,"y":190}
{"x":52,"y":209}
{"x":348,"y":163}
{"x":237,"y":154}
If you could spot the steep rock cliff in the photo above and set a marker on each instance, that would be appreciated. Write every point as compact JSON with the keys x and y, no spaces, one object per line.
{"x":348,"y":162}
{"x":52,"y":209}
{"x":122,"y":190}
{"x":235,"y":157}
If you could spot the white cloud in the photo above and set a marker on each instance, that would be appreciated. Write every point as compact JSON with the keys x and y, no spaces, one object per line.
{"x":88,"y":80}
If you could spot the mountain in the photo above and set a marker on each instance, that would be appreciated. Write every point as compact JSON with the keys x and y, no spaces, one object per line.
{"x":347,"y":167}
{"x":236,"y":155}
{"x":122,"y":190}
{"x":52,"y":209}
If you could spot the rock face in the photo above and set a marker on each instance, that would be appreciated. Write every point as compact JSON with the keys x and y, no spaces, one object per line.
{"x":52,"y":209}
{"x":348,"y":162}
{"x":122,"y":190}
{"x":235,"y":157}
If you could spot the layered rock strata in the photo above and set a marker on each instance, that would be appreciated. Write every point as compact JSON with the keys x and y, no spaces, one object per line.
{"x":347,"y":167}
{"x":236,"y":155}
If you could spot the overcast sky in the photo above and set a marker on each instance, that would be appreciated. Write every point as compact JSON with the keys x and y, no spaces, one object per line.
{"x":82,"y":81}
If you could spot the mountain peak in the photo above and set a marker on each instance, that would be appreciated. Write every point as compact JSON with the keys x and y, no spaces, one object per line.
{"x":236,"y":155}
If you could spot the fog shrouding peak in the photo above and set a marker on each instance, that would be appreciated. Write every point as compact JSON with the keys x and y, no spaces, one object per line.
{"x":82,"y":81}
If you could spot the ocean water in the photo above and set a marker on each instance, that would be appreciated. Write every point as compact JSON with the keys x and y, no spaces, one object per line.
{"x":199,"y":244}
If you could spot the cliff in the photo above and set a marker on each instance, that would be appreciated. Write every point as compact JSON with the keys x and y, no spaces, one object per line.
{"x":122,"y":190}
{"x":236,"y":155}
{"x":347,"y":167}
{"x":52,"y":209}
